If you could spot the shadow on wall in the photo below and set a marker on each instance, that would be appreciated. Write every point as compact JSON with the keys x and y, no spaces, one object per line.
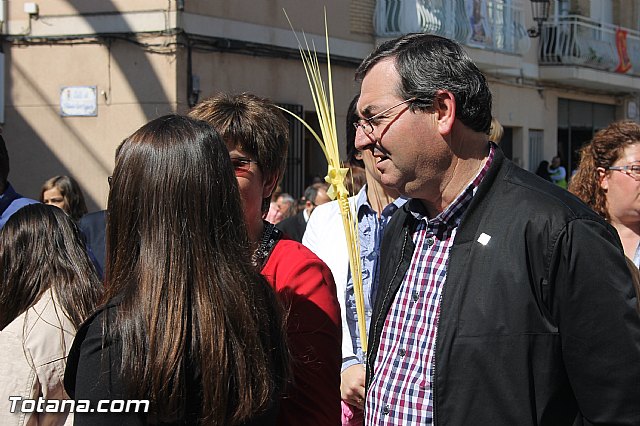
{"x":32,"y":161}
{"x":141,"y":78}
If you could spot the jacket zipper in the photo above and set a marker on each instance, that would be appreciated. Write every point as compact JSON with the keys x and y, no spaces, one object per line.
{"x":386,"y":296}
{"x":435,"y":344}
{"x":435,"y":357}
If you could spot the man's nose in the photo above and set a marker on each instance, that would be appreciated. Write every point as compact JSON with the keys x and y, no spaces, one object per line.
{"x":363,"y":141}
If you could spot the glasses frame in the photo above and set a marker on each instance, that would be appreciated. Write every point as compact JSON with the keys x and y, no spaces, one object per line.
{"x":246,"y":164}
{"x":365,"y":123}
{"x":628,"y":170}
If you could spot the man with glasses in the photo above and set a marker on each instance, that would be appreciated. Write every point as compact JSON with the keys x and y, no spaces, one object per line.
{"x":502,"y":299}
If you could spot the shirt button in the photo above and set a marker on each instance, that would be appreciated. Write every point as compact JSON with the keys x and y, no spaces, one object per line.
{"x":402,"y":352}
{"x":385,"y":410}
{"x":430,"y":241}
{"x":416,"y":296}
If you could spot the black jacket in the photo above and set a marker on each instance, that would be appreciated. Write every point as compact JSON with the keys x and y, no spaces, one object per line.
{"x":535,"y":326}
{"x":93,"y":374}
{"x":293,"y":226}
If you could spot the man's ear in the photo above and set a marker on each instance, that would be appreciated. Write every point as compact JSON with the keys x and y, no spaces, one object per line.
{"x":603,"y":179}
{"x":269,"y":184}
{"x":444,"y":105}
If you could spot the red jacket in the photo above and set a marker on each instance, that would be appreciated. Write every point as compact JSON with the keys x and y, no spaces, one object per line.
{"x":305,"y":286}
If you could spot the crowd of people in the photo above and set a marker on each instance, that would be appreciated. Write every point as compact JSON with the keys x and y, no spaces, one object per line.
{"x":491,"y":296}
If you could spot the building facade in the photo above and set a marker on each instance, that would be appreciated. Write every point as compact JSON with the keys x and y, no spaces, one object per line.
{"x":81,"y":76}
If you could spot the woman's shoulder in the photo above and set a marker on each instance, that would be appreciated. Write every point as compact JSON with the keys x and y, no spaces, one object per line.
{"x":292,"y":269}
{"x":45,"y":330}
{"x":94,"y":326}
{"x":88,"y":343}
{"x":292,"y":255}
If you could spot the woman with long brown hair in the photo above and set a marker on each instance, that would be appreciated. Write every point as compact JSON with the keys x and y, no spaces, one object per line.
{"x":257,"y":137}
{"x":188,"y":323}
{"x":48,"y":287}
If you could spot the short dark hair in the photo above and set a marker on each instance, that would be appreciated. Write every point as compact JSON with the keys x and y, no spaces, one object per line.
{"x":252,"y":123}
{"x":352,"y":117}
{"x":427,"y":63}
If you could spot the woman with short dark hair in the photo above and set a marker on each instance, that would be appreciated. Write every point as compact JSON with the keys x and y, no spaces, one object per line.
{"x":256,"y":135}
{"x":188,"y":323}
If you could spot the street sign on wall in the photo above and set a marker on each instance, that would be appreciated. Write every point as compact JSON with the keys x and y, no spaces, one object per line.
{"x":79,"y":101}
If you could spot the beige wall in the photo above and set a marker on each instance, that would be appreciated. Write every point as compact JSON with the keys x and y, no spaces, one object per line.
{"x":133,"y":87}
{"x":307,"y":15}
{"x":527,"y":107}
{"x":136,"y":85}
{"x":139,"y":85}
{"x":15,"y":8}
{"x":282,"y":80}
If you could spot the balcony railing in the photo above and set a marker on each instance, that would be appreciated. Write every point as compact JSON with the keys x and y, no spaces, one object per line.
{"x":493,"y":24}
{"x":576,"y":40}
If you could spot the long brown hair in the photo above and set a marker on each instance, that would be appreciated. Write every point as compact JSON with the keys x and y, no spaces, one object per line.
{"x":41,"y":248}
{"x":603,"y":151}
{"x":178,"y":264}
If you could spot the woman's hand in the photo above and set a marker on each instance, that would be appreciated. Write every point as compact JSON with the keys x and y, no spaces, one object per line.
{"x":352,"y":385}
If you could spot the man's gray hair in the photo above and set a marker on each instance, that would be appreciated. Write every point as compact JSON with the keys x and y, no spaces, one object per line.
{"x":428,"y":63}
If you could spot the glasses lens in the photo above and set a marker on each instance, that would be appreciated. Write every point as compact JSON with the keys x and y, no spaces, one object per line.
{"x":365,"y":126}
{"x":241,"y":165}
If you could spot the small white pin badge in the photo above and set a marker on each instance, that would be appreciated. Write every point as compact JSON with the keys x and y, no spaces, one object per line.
{"x":484,"y":239}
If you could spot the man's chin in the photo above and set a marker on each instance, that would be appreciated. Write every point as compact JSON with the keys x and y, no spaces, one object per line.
{"x":389,"y":181}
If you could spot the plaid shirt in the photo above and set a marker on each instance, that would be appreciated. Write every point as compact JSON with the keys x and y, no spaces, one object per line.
{"x":401,"y":388}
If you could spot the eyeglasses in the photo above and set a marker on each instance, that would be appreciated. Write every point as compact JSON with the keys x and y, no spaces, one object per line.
{"x":242,"y":165}
{"x":367,"y":124}
{"x":633,"y":170}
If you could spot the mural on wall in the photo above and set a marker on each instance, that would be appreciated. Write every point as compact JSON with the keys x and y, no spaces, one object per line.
{"x":480,"y":34}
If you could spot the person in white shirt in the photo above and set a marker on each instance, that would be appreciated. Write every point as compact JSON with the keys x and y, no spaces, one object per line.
{"x":325,"y":236}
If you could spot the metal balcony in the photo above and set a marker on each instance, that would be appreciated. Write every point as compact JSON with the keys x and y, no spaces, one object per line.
{"x":578,"y":41}
{"x":498,"y":26}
